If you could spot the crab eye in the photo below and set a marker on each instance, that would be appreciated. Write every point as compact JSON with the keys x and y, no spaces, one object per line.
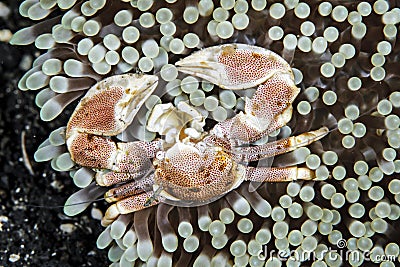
{"x":160,"y":155}
{"x":217,"y":131}
{"x":201,"y":146}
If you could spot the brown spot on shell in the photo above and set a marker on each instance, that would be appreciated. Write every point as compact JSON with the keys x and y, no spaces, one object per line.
{"x":256,"y":106}
{"x":256,"y":55}
{"x":227,"y":51}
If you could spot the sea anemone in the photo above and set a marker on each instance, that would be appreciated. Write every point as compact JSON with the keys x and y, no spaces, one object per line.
{"x":345,"y":59}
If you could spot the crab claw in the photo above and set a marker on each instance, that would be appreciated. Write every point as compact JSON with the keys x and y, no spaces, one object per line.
{"x":111,"y":104}
{"x":106,"y":110}
{"x":234,"y":66}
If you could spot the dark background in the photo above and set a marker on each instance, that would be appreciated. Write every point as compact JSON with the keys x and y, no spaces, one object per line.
{"x":33,"y":233}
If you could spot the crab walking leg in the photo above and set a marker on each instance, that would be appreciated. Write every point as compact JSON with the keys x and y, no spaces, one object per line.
{"x":130,"y":189}
{"x":130,"y":197}
{"x":286,"y":174}
{"x":278,"y":147}
{"x":108,"y":178}
{"x":128,"y":205}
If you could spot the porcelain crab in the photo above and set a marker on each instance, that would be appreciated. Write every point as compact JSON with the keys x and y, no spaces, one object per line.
{"x":196,"y":168}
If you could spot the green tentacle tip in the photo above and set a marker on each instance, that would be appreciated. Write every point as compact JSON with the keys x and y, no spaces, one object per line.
{"x":217,"y":228}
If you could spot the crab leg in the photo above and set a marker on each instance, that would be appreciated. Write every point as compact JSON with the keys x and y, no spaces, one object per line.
{"x":109,"y":177}
{"x":130,"y":189}
{"x":128,"y":205}
{"x":278,"y":147}
{"x":130,"y":197}
{"x":286,"y":174}
{"x":239,"y":66}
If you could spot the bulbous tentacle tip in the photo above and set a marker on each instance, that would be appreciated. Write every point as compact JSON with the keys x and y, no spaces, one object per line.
{"x":80,"y":200}
{"x":111,"y":214}
{"x":23,"y":37}
{"x":72,"y":209}
{"x":234,"y":66}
